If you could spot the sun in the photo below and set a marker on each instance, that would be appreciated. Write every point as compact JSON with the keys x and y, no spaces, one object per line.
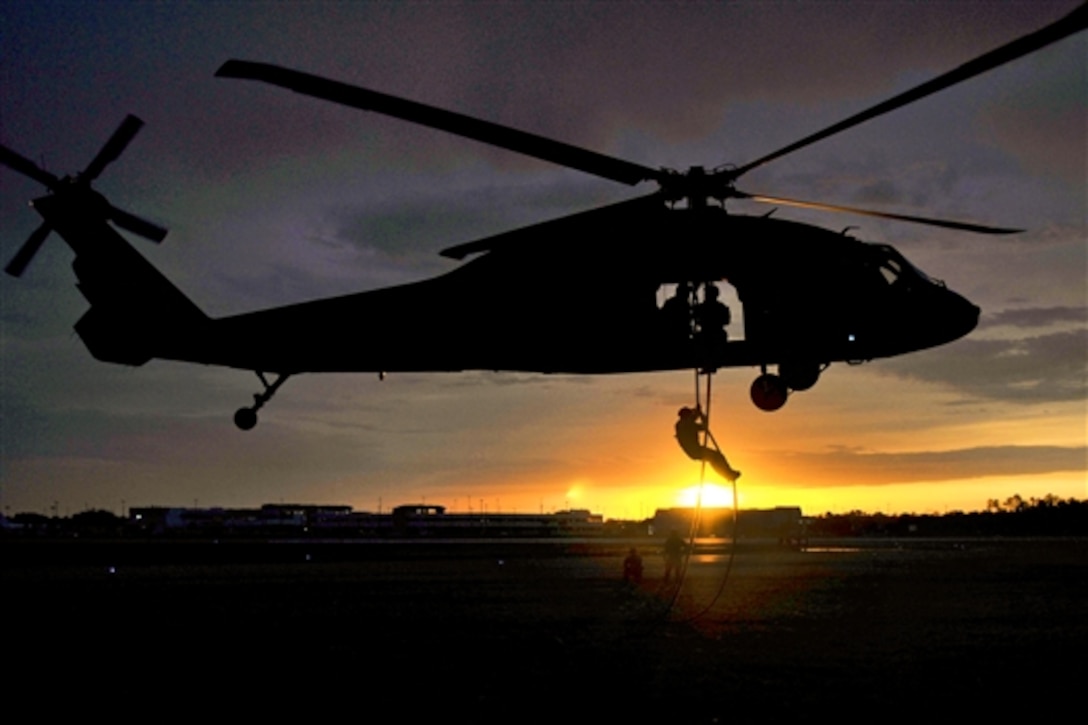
{"x":713,"y":495}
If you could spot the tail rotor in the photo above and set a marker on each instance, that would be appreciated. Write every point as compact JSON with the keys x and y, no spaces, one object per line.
{"x":26,"y":252}
{"x":76,"y":190}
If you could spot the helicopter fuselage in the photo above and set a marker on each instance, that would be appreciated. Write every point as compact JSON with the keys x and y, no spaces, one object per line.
{"x":588,"y":303}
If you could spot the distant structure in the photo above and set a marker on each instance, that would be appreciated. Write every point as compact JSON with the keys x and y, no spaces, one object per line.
{"x":269,"y":519}
{"x":407,"y":521}
{"x":422,"y":520}
{"x":783,"y":524}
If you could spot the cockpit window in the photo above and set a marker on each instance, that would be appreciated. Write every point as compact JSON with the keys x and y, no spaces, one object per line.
{"x":894,"y":267}
{"x":891,"y":270}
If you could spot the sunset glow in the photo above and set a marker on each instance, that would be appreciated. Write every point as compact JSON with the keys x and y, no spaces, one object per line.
{"x":709,"y":494}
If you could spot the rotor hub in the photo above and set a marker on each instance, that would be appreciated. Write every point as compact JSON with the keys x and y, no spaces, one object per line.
{"x":696,"y":186}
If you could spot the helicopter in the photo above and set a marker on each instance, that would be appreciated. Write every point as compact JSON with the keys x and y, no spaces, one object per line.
{"x":574,"y":295}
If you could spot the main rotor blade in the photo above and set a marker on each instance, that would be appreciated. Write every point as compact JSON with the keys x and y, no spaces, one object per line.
{"x":494,"y":134}
{"x":113,"y":148}
{"x":26,"y":167}
{"x":1072,"y":23}
{"x":136,"y":225}
{"x":26,"y":252}
{"x":946,"y":223}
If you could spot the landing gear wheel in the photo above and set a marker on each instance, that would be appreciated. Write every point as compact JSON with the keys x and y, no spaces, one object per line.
{"x":245,"y":418}
{"x":799,"y":375}
{"x":769,"y":392}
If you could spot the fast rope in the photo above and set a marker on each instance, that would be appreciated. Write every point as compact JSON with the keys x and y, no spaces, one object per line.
{"x":696,"y":517}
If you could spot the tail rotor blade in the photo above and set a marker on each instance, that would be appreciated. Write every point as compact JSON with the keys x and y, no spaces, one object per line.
{"x":113,"y":148}
{"x":26,"y":167}
{"x":75,"y":193}
{"x":30,"y":247}
{"x":136,"y":225}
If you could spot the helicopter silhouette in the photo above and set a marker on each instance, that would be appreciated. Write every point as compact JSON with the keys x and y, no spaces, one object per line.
{"x":574,"y":295}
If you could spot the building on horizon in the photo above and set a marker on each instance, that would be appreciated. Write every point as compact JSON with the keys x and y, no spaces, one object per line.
{"x":784,"y":524}
{"x":406,"y":521}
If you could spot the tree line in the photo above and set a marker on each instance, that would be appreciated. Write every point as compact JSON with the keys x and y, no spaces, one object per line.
{"x":1015,"y":516}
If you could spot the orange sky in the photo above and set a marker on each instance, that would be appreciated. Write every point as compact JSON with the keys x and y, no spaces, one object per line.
{"x":620,"y":458}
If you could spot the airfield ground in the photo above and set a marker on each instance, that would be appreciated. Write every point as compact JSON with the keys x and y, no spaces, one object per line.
{"x":495,"y":632}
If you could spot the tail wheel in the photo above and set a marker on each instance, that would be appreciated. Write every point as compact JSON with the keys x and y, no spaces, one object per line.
{"x":245,"y":418}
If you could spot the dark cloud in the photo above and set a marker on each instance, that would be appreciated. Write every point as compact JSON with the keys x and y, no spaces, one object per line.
{"x":878,"y":192}
{"x":1045,"y":368}
{"x":422,"y":226}
{"x":398,"y":240}
{"x":1041,"y":124}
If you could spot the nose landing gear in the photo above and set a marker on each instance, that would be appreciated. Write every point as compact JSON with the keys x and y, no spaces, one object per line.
{"x":246,"y":418}
{"x":769,"y":391}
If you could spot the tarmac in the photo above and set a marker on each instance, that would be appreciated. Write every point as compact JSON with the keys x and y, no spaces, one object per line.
{"x":488,"y":631}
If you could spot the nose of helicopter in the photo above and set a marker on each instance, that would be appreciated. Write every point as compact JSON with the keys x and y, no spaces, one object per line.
{"x":958,"y":317}
{"x":936,"y":316}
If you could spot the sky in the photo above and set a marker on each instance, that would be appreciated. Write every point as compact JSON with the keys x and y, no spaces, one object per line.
{"x":273,"y":198}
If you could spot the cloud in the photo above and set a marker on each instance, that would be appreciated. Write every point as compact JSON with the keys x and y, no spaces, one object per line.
{"x":1044,"y":368}
{"x":850,"y":467}
{"x":1028,"y":317}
